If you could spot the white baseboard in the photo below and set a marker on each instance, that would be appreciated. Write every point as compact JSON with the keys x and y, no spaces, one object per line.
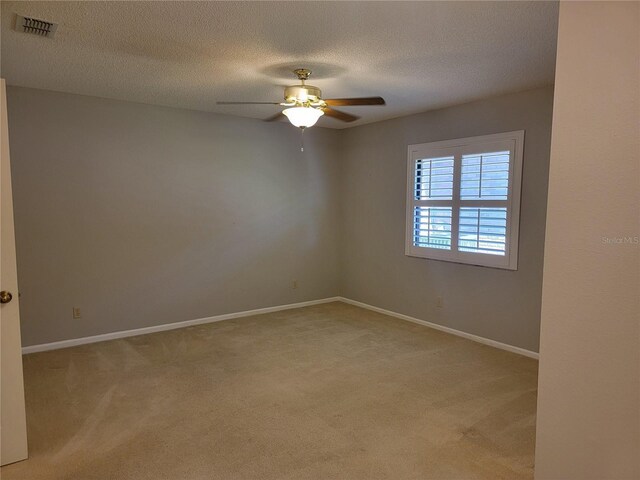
{"x":168,"y":326}
{"x":452,"y":331}
{"x":228,"y":316}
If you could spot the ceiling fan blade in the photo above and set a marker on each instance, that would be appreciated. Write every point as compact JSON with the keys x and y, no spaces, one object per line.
{"x":343,"y":102}
{"x":247,"y":103}
{"x":275,"y":117}
{"x":345,"y":117}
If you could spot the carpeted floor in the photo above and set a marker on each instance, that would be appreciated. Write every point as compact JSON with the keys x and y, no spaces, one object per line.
{"x":324,"y":392}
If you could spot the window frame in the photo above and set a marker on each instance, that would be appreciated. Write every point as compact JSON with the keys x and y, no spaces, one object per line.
{"x":511,"y":141}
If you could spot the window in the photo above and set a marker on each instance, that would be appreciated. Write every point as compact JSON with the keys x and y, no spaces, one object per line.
{"x":463,"y":200}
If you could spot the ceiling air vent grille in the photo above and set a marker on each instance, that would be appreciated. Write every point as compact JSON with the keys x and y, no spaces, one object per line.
{"x":41,"y":28}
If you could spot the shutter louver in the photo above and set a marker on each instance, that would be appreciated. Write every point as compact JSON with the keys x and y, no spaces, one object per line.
{"x":434,"y":179}
{"x":483,"y":230}
{"x":485,"y":176}
{"x":432,"y":227}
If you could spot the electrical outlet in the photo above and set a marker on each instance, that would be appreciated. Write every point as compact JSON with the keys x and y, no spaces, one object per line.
{"x":439,"y":302}
{"x":294,"y":284}
{"x":77,"y":313}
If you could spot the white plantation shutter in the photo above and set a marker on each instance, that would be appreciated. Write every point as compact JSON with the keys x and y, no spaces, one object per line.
{"x":485,"y":176}
{"x":434,"y":178}
{"x":432,"y":220}
{"x":483,"y":230}
{"x":432,"y":227}
{"x":463,"y":200}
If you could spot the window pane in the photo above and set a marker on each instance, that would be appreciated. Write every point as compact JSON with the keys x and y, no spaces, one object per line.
{"x":483,"y":230}
{"x":485,"y":176}
{"x":434,"y":179}
{"x":432,"y":227}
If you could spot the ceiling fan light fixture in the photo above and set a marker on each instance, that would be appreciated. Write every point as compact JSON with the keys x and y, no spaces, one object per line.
{"x":305,"y":104}
{"x":303,"y":117}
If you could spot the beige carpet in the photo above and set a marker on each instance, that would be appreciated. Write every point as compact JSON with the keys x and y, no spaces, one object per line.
{"x":325,"y":392}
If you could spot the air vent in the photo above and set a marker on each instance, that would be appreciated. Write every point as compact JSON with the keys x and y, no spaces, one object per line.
{"x":34,"y":26}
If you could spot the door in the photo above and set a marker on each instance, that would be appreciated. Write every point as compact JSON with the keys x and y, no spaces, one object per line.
{"x":13,"y":425}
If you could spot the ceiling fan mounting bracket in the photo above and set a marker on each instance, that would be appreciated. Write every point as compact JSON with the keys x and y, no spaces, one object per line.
{"x":302,"y":73}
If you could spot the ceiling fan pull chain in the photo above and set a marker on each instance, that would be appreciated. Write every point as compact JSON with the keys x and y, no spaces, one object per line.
{"x":302,"y":139}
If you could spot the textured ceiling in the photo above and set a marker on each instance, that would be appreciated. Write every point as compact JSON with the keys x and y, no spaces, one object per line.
{"x":417,"y":55}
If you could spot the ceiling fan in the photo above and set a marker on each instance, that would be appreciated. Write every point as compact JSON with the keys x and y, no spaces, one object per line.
{"x":305,"y":104}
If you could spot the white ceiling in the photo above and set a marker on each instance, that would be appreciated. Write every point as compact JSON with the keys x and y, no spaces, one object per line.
{"x":417,"y":55}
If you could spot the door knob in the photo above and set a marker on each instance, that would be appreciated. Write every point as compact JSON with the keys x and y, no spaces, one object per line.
{"x":5,"y":297}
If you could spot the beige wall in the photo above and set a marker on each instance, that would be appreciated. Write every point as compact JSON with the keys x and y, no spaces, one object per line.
{"x":589,"y":385}
{"x":143,"y":215}
{"x":498,"y":304}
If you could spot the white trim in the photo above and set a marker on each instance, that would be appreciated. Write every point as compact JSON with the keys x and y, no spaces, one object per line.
{"x":511,"y":141}
{"x":228,"y":316}
{"x":168,"y":326}
{"x":452,"y":331}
